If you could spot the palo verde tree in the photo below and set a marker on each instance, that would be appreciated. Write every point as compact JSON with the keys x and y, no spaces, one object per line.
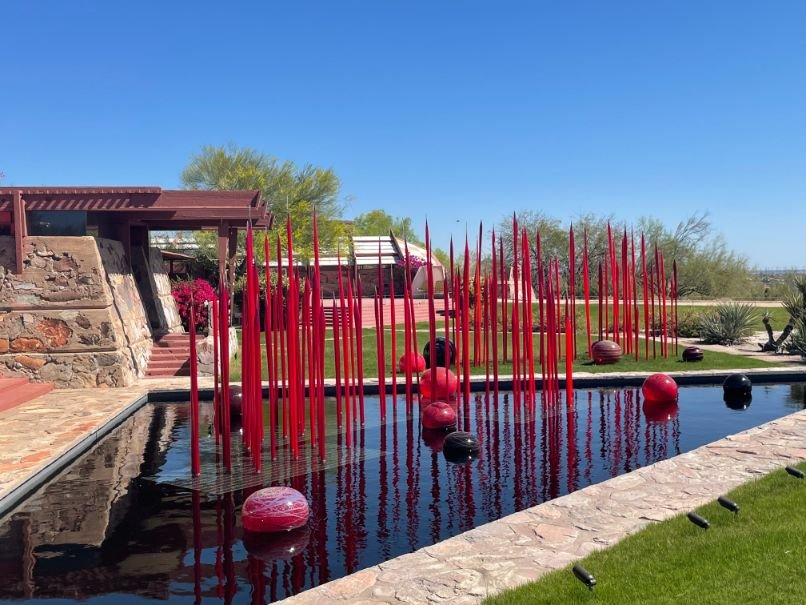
{"x":289,"y":190}
{"x":380,"y":222}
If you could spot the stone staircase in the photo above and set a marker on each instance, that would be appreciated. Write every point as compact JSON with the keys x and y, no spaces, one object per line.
{"x":16,"y":391}
{"x":170,"y":356}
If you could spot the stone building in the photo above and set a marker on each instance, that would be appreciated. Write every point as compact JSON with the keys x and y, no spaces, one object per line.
{"x":82,"y":294}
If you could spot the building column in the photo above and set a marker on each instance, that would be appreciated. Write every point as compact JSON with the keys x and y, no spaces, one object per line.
{"x":20,"y":229}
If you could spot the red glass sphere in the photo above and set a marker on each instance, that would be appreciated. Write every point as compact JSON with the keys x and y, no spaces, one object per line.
{"x":439,"y":415}
{"x":659,"y":387}
{"x":274,"y":509}
{"x":438,"y":383}
{"x":411,"y":362}
{"x":605,"y":351}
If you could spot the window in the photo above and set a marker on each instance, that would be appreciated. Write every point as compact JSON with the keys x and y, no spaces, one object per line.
{"x":43,"y":222}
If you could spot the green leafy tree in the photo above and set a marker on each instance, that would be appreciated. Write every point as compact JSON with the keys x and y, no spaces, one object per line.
{"x":290,"y":192}
{"x":380,"y":222}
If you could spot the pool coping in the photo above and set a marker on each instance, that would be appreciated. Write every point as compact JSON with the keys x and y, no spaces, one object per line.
{"x":344,"y":589}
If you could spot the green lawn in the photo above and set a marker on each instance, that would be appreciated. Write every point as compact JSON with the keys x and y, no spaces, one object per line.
{"x":755,"y":557}
{"x":712,"y":361}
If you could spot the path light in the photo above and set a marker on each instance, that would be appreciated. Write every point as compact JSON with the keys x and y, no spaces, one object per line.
{"x":584,"y":576}
{"x":795,"y":472}
{"x":698,"y":520}
{"x":729,"y":504}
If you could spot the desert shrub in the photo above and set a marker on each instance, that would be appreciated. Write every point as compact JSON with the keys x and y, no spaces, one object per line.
{"x":728,"y":323}
{"x":196,"y":292}
{"x":689,"y":324}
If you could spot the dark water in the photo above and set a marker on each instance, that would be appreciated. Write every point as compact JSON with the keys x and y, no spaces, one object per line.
{"x":117,"y":527}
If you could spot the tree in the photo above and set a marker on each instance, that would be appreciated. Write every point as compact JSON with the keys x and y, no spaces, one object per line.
{"x":290,"y":192}
{"x":379,"y":222}
{"x":706,"y":267}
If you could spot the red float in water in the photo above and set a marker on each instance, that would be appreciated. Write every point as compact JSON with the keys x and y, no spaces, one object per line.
{"x":439,"y":415}
{"x":411,"y":362}
{"x":659,"y":387}
{"x":274,"y":509}
{"x":438,"y":383}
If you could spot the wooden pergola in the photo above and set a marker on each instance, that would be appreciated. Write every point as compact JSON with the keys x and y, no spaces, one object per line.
{"x":127,"y":214}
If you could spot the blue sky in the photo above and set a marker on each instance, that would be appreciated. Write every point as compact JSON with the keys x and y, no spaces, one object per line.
{"x":457,"y":111}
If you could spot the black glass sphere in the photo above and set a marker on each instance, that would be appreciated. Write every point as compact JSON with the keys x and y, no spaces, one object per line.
{"x":235,"y":400}
{"x":737,"y":385}
{"x":441,"y":348}
{"x":460,"y":447}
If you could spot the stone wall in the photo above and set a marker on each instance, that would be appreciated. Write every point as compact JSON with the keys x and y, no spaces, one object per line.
{"x":165,"y":303}
{"x":74,"y":317}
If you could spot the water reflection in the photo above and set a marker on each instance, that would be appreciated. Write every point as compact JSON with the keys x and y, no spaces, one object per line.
{"x":102,"y":529}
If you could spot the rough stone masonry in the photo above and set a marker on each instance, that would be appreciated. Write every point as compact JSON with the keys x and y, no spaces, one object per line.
{"x":74,"y":317}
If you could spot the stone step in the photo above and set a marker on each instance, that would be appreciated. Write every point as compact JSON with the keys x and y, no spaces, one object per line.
{"x":16,"y":393}
{"x":160,"y":373}
{"x":168,"y":364}
{"x":170,"y":353}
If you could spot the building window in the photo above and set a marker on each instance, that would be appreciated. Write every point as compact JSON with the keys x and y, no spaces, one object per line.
{"x":42,"y":222}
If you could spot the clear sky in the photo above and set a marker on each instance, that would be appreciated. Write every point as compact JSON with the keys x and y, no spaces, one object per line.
{"x":456,"y":110}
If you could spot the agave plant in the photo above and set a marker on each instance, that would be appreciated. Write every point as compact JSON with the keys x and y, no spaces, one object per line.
{"x":794,"y":297}
{"x":728,"y":324}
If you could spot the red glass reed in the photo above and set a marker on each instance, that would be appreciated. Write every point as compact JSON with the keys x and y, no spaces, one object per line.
{"x":663,"y":284}
{"x":432,"y":324}
{"x":516,"y":386}
{"x":646,"y":295}
{"x":602,"y":320}
{"x":292,"y":327}
{"x":465,"y":324}
{"x":195,"y":460}
{"x":572,"y":290}
{"x":586,"y":290}
{"x":505,"y":292}
{"x":393,"y":326}
{"x":223,"y":322}
{"x":381,"y":339}
{"x":493,"y":296}
{"x":358,"y":322}
{"x":216,"y":386}
{"x":542,"y":313}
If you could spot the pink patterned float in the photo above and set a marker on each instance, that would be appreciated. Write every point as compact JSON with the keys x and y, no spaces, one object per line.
{"x":274,"y":509}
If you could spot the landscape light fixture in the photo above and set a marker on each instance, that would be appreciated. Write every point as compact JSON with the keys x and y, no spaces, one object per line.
{"x":795,"y":472}
{"x":698,"y":520}
{"x":584,"y":576}
{"x":729,"y":504}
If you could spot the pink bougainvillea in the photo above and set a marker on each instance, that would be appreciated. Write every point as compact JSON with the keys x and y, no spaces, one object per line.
{"x":415,"y":262}
{"x":196,"y":292}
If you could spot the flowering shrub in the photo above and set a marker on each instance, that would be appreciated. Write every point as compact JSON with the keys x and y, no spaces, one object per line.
{"x":415,"y":262}
{"x":195,"y":292}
